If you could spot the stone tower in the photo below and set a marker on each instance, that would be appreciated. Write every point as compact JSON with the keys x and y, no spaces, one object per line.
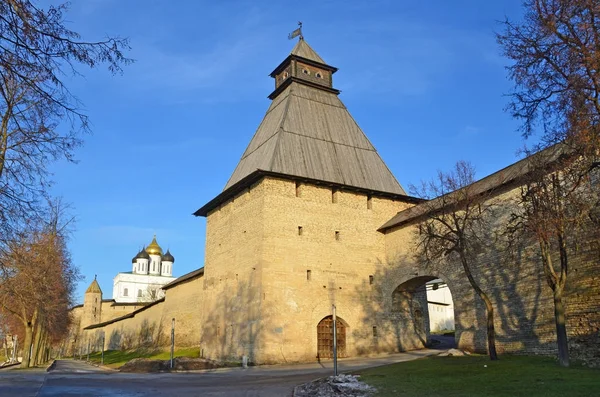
{"x":295,"y":229}
{"x":92,"y":305}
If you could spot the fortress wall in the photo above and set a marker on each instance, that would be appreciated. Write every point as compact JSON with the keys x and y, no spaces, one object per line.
{"x":151,"y":327}
{"x":111,"y":311}
{"x":183,"y":302}
{"x":523,"y":305}
{"x":230,"y":323}
{"x":144,"y":329}
{"x":294,"y":302}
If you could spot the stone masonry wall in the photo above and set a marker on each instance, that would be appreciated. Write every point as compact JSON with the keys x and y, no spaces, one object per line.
{"x":514,"y":280}
{"x":183,"y":302}
{"x":230,"y":324}
{"x":320,"y":247}
{"x":151,"y":327}
{"x":111,"y":311}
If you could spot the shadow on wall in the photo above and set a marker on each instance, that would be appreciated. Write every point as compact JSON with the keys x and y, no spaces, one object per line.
{"x":508,"y":271}
{"x":523,"y":299}
{"x":234,"y":324}
{"x":394,"y":301}
{"x":149,"y":335}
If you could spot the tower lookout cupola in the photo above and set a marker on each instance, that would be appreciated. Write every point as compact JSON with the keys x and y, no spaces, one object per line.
{"x":303,"y":66}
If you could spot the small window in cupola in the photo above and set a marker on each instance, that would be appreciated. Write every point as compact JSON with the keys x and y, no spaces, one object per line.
{"x":306,"y":71}
{"x":319,"y":75}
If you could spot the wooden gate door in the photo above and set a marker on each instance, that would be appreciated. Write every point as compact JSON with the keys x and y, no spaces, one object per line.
{"x":325,"y":338}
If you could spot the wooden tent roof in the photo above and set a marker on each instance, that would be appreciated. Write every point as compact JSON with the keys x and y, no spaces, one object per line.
{"x":302,"y":49}
{"x":94,"y":288}
{"x":308,"y":133}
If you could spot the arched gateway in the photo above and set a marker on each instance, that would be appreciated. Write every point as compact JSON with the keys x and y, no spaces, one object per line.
{"x":325,"y":338}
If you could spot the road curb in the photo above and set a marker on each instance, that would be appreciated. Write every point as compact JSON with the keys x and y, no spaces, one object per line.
{"x":104,"y":367}
{"x":49,"y":367}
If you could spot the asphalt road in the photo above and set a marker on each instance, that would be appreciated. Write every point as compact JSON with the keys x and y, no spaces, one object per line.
{"x":76,"y":378}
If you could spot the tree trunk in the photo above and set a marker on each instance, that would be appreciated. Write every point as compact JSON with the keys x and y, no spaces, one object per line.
{"x":44,"y":350}
{"x":36,"y":345}
{"x":6,"y":347}
{"x":557,"y":284}
{"x":27,"y":345}
{"x":561,"y":327}
{"x":491,"y":331}
{"x":41,"y":356}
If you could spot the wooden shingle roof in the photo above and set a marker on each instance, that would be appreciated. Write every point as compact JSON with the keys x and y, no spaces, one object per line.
{"x":308,"y":133}
{"x":94,"y":288}
{"x":302,"y":49}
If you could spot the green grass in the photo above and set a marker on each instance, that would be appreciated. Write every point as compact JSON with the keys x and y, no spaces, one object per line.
{"x":467,"y":376}
{"x":116,"y":358}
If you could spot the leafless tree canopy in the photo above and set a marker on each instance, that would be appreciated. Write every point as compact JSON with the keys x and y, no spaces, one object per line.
{"x":40,"y":120}
{"x":37,"y":281}
{"x":556,"y":55}
{"x":455,"y":227}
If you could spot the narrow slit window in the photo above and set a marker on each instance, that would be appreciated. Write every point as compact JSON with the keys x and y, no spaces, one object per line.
{"x":337,"y":235}
{"x":374,"y":331}
{"x":369,"y":202}
{"x":308,"y":275}
{"x":298,"y":189}
{"x":371,"y":279}
{"x":300,"y":230}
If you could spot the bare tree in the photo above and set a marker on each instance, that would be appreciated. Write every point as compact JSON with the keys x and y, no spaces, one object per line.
{"x":37,"y":51}
{"x":454,"y":225}
{"x":37,"y":282}
{"x":555,"y":206}
{"x":152,"y":293}
{"x":556,"y":53}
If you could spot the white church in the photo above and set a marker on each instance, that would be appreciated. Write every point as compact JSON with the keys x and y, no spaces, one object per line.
{"x":151,"y":269}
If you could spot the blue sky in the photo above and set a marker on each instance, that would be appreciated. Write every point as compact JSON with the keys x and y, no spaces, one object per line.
{"x":424,"y":80}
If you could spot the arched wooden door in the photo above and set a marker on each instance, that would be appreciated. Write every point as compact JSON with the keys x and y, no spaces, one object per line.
{"x":325,"y":338}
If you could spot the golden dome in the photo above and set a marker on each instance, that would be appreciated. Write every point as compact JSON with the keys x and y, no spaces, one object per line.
{"x":154,"y":248}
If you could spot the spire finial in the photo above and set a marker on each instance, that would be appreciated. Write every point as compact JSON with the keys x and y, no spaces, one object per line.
{"x":95,"y":276}
{"x":297,"y":32}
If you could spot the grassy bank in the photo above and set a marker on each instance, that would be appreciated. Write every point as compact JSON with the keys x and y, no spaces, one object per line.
{"x":478,"y":376}
{"x":116,"y":358}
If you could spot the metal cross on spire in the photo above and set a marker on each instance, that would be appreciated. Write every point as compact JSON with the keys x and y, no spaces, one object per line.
{"x":297,"y":32}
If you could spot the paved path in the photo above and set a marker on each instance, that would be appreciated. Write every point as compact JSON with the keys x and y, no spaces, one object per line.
{"x":71,"y":378}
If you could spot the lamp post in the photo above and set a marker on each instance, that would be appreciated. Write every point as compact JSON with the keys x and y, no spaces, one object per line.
{"x":102,"y":359}
{"x":172,"y":340}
